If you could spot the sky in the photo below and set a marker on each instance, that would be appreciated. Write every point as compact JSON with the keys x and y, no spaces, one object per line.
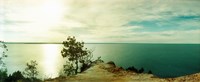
{"x":100,"y":21}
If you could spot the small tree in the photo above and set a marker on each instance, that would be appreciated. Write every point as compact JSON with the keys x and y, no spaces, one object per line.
{"x":75,"y":52}
{"x":3,"y":69}
{"x":3,"y":49}
{"x":31,"y":70}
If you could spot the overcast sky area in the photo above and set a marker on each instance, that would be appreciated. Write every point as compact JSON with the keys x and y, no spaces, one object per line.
{"x":100,"y":21}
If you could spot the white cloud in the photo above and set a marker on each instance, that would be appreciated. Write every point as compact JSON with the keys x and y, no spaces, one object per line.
{"x":177,"y":36}
{"x":96,"y":20}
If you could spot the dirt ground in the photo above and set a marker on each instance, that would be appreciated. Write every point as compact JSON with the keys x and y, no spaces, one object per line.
{"x":108,"y":73}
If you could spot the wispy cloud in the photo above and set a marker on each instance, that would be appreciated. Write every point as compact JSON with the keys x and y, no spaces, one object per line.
{"x":102,"y":20}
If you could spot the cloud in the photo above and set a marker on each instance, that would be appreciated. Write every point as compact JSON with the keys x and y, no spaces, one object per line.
{"x":176,"y":36}
{"x":102,"y":20}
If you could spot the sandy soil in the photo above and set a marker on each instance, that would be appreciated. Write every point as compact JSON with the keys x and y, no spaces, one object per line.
{"x":109,"y":73}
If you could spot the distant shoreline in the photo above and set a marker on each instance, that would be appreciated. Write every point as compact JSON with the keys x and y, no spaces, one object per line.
{"x":89,"y":43}
{"x":32,"y":43}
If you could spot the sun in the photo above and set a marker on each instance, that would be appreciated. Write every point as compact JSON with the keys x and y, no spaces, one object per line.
{"x":51,"y":12}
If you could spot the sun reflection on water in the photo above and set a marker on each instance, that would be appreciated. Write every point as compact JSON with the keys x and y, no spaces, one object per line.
{"x":51,"y":59}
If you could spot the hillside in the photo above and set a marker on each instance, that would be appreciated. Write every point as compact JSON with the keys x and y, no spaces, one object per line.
{"x":110,"y":73}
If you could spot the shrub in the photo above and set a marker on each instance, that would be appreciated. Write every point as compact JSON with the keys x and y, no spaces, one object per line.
{"x":141,"y":70}
{"x":132,"y":68}
{"x":15,"y":77}
{"x":3,"y":76}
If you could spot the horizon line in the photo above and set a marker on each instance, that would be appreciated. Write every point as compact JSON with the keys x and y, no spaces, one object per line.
{"x":96,"y":43}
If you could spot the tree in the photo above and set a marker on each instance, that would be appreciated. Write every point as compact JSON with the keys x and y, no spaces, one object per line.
{"x":3,"y":49}
{"x":75,"y":52}
{"x":3,"y":69}
{"x":3,"y":75}
{"x":68,"y":69}
{"x":31,"y":70}
{"x":15,"y":77}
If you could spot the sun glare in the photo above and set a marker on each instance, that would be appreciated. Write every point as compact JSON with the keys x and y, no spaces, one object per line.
{"x":51,"y":12}
{"x":51,"y":52}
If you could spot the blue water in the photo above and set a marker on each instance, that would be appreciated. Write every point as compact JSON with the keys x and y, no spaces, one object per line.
{"x":164,"y":60}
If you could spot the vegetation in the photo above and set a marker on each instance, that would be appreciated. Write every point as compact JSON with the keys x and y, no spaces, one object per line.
{"x":3,"y":76}
{"x":68,"y":69}
{"x":3,"y":49}
{"x":75,"y":53}
{"x":132,"y":68}
{"x":3,"y":70}
{"x":31,"y":70}
{"x":30,"y":73}
{"x":18,"y":77}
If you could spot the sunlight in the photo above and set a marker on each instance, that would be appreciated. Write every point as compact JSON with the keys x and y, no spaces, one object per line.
{"x":51,"y":13}
{"x":51,"y":52}
{"x":52,"y":10}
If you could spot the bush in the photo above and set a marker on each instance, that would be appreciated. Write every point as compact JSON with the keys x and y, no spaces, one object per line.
{"x":132,"y":69}
{"x":141,"y":70}
{"x":98,"y":60}
{"x":15,"y":77}
{"x":68,"y":69}
{"x":150,"y":72}
{"x":3,"y":76}
{"x":111,"y":63}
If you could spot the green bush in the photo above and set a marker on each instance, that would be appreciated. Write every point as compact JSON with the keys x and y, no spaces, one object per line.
{"x":3,"y":76}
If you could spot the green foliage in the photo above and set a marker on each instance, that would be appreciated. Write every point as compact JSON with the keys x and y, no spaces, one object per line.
{"x":132,"y":68}
{"x":15,"y":77}
{"x":141,"y":70}
{"x":31,"y":70}
{"x":3,"y":70}
{"x":18,"y":77}
{"x":3,"y":75}
{"x":150,"y":72}
{"x":68,"y":69}
{"x":3,"y":49}
{"x":75,"y":52}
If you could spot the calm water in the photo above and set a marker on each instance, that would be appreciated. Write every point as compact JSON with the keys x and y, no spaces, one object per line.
{"x":164,"y":60}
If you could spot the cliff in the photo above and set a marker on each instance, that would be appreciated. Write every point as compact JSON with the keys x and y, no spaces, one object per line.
{"x":103,"y":72}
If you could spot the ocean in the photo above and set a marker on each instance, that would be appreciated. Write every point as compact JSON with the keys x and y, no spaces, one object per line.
{"x":164,"y":60}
